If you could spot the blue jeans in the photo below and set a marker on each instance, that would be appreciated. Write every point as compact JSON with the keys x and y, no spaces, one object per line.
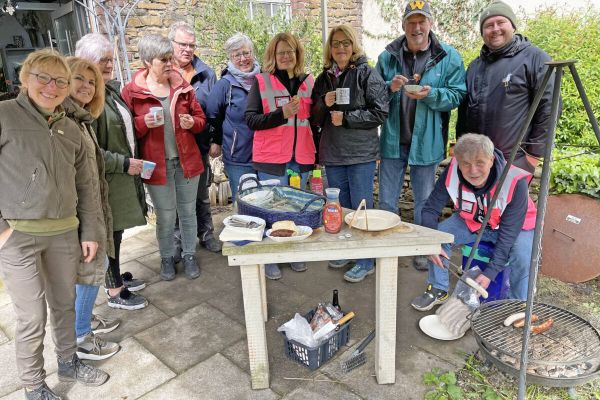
{"x":355,"y":183}
{"x":177,"y":197}
{"x":518,"y":259}
{"x":391,"y":180}
{"x":284,"y":179}
{"x":84,"y":305}
{"x":234,"y":172}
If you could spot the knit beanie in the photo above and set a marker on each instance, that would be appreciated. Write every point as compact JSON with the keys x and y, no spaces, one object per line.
{"x":497,"y":8}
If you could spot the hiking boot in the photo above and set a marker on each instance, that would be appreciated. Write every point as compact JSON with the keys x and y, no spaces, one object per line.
{"x":167,"y":268}
{"x":101,"y":324}
{"x":272,"y":271}
{"x":42,"y":392}
{"x":92,"y":347}
{"x":420,"y":263}
{"x":190,"y":266}
{"x":430,"y":298}
{"x":75,"y":370}
{"x":298,"y":266}
{"x":177,"y":257}
{"x":358,"y":273}
{"x":338,"y":263}
{"x":126,"y":300}
{"x":212,"y":244}
{"x":131,"y":283}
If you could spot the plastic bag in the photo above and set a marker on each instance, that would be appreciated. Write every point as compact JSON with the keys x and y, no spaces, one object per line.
{"x":454,"y":313}
{"x":298,"y":329}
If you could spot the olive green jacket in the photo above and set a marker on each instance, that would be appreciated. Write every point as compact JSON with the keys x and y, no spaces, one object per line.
{"x":126,"y":193}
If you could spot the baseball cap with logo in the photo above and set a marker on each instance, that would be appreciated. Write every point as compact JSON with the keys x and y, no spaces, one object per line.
{"x":417,"y":7}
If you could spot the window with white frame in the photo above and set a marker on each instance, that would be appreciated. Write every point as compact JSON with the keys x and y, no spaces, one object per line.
{"x":269,"y":7}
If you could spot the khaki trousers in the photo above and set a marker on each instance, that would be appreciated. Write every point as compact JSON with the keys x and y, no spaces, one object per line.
{"x":40,"y":272}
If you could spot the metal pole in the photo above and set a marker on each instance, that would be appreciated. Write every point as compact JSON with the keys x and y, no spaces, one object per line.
{"x":586,"y":102}
{"x":324,"y":24}
{"x":539,"y":227}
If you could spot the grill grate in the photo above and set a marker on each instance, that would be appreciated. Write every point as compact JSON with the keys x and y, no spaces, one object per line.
{"x":571,"y":339}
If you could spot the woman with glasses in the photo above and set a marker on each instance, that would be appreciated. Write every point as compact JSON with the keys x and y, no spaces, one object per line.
{"x":114,"y":131}
{"x":349,"y":145}
{"x":84,"y":105}
{"x":166,"y":117}
{"x":226,"y":108}
{"x":48,"y":220}
{"x":278,"y":111}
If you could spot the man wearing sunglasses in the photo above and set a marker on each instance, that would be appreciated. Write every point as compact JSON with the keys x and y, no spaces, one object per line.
{"x":202,"y":78}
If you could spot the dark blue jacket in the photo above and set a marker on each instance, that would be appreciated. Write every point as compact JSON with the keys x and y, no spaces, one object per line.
{"x":225,"y":111}
{"x":203,"y":81}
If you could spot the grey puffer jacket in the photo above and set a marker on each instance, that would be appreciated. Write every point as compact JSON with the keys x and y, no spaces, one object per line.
{"x":93,"y":273}
{"x":356,"y":140}
{"x":43,"y":168}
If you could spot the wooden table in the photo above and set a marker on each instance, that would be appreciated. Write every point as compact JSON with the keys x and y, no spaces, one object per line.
{"x":385,"y":246}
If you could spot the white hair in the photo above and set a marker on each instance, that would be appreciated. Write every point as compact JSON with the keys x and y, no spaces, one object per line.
{"x":183,"y":27}
{"x":154,"y":46}
{"x":237,"y":41}
{"x":93,"y":47}
{"x":473,"y":144}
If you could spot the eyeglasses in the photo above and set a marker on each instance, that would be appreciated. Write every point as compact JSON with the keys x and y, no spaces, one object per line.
{"x":337,"y":43}
{"x":238,"y":56}
{"x":106,"y":60}
{"x":289,"y":53}
{"x":191,"y":46}
{"x":45,"y":79}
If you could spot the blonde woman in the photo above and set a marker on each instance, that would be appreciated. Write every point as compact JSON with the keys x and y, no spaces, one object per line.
{"x":46,"y":198}
{"x":278,"y":111}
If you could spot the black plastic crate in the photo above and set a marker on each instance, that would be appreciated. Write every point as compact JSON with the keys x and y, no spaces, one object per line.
{"x":314,"y":357}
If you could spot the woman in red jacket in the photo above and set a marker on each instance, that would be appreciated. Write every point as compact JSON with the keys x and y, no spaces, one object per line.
{"x":166,"y":116}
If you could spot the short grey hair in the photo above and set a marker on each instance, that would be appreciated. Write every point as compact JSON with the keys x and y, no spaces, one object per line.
{"x":237,"y":41}
{"x":93,"y":47}
{"x":183,"y":27}
{"x":154,"y":46}
{"x":473,"y":144}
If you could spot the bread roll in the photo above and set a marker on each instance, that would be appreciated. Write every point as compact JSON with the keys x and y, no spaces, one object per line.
{"x":284,"y":229}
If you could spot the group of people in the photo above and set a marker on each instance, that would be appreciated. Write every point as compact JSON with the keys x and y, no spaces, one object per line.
{"x":73,"y":146}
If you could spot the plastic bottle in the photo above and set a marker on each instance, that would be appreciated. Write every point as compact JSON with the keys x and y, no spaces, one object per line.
{"x":332,"y":212}
{"x":316,"y":182}
{"x":294,"y":178}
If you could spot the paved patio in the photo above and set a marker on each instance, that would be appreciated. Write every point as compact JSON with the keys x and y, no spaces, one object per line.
{"x":190,"y":342}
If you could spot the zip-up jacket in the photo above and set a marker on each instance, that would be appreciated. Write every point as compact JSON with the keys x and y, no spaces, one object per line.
{"x":139,"y":99}
{"x":225,"y":110}
{"x":356,"y":140}
{"x":43,"y":169}
{"x":517,"y":214}
{"x":203,"y":81}
{"x":501,"y":85}
{"x":293,"y":138}
{"x":445,"y":74}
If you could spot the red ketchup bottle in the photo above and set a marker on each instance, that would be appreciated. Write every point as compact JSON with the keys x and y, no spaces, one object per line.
{"x":316,"y":182}
{"x":332,"y":212}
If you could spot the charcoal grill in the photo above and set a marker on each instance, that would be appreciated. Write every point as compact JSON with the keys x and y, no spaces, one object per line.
{"x":567,"y":355}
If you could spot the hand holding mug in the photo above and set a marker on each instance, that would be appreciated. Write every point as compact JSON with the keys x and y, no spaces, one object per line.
{"x":337,"y":117}
{"x":330,"y":98}
{"x":186,"y":121}
{"x":135,"y":167}
{"x":153,"y":120}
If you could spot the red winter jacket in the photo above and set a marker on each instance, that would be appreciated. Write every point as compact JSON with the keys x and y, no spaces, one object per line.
{"x":152,"y":146}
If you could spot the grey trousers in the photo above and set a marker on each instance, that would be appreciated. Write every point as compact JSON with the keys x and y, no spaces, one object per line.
{"x":40,"y":272}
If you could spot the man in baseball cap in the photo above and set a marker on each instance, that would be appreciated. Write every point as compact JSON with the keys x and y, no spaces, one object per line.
{"x":508,"y":72}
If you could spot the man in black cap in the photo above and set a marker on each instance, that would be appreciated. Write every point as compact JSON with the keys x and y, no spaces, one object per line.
{"x":416,"y":129}
{"x":501,"y":85}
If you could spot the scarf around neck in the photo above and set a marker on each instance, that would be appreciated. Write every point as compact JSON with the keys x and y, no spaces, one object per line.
{"x":244,"y":78}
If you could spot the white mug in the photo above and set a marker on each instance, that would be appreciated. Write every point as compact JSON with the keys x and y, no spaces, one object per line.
{"x":342,"y":96}
{"x":157,"y":112}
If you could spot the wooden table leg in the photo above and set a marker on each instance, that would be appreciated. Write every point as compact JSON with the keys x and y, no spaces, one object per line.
{"x":263,"y":292}
{"x":385,"y":325}
{"x":255,"y":326}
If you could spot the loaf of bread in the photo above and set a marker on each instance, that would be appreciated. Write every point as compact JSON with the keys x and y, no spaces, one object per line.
{"x":284,"y":229}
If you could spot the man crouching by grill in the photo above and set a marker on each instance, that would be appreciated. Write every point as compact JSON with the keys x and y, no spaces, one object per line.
{"x":470,"y":181}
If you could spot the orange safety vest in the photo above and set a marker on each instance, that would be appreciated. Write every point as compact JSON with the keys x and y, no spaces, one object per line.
{"x":468,"y":202}
{"x":276,"y":145}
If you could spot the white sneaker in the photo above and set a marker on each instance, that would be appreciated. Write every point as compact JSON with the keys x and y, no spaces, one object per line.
{"x":92,"y":347}
{"x":101,"y":324}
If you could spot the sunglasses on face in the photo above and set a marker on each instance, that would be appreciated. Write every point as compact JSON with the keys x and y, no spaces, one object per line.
{"x":337,"y":43}
{"x":45,"y":79}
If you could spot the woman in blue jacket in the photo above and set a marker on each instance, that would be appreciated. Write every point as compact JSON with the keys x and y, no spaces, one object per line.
{"x":226,"y":108}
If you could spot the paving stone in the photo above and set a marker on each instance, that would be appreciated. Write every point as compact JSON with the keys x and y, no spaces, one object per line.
{"x":319,"y":390}
{"x":8,"y":321}
{"x":215,"y":378}
{"x":132,"y":322}
{"x":193,"y":336}
{"x":151,"y":260}
{"x":176,"y":296}
{"x":140,"y":271}
{"x":133,"y":248}
{"x":3,"y":337}
{"x":4,"y":297}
